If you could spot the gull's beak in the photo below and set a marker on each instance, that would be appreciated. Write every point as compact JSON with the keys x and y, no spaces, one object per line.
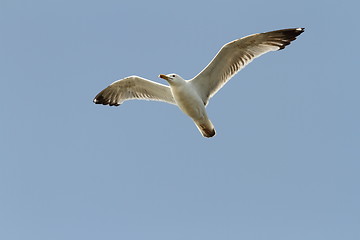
{"x":164,"y":77}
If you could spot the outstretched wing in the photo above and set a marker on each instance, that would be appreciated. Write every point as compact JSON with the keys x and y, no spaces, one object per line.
{"x":235,"y":55}
{"x":134,"y":87}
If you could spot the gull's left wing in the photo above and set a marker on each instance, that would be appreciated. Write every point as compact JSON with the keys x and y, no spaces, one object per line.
{"x":235,"y":55}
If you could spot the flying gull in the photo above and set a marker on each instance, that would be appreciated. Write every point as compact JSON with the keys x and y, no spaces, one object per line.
{"x":192,"y":96}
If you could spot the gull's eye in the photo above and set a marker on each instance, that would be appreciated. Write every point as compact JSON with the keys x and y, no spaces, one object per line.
{"x":173,"y":75}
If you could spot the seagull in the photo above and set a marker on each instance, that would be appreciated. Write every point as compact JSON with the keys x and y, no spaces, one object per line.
{"x":192,"y":96}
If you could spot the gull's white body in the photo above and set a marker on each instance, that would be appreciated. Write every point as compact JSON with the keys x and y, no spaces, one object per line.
{"x":192,"y":96}
{"x":190,"y":102}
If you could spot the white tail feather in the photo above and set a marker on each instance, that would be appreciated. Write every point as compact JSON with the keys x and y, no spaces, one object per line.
{"x":206,"y":128}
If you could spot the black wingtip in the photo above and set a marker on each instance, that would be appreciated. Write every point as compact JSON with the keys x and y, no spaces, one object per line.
{"x":290,"y":35}
{"x":299,"y":31}
{"x":100,"y":99}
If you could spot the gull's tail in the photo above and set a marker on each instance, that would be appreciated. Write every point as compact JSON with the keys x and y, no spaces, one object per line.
{"x":206,"y":128}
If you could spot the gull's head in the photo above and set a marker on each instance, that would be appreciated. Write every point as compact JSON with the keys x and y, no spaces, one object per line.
{"x":172,"y":78}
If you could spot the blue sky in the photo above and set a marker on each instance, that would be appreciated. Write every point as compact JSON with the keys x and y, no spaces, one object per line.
{"x":283,"y":165}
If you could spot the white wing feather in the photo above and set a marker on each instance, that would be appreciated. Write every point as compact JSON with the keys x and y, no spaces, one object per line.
{"x":235,"y":55}
{"x":134,"y":87}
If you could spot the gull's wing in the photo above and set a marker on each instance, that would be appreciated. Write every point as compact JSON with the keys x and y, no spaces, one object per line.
{"x":235,"y":55}
{"x":134,"y":87}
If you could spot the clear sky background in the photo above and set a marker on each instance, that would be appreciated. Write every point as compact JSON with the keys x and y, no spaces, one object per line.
{"x":283,"y":165}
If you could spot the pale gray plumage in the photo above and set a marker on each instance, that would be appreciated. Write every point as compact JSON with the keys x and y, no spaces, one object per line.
{"x":191,"y":96}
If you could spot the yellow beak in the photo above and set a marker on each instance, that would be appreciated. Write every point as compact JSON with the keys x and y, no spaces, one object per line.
{"x":164,"y":77}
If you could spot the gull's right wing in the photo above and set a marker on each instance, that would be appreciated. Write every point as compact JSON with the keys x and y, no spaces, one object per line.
{"x":134,"y":87}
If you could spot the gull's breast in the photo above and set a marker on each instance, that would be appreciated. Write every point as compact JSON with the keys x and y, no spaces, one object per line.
{"x":189,"y":101}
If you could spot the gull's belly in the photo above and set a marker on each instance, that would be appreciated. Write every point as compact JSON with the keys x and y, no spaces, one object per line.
{"x":190,"y":103}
